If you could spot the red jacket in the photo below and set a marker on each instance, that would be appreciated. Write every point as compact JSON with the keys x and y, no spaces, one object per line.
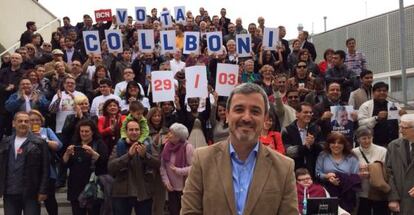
{"x":274,"y":141}
{"x":109,"y":137}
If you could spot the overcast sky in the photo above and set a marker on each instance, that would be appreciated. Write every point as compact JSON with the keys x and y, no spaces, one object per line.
{"x":288,"y":13}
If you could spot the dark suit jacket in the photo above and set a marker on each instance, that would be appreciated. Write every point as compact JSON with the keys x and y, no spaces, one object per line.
{"x":401,"y":174}
{"x":77,"y":55}
{"x":306,"y":157}
{"x":36,"y":165}
{"x":209,"y":186}
{"x":285,"y":54}
{"x":311,"y":48}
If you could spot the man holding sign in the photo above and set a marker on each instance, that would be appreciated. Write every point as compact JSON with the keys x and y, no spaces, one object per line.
{"x":375,"y":114}
{"x":342,"y":121}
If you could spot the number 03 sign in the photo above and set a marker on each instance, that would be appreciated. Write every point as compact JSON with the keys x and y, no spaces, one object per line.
{"x":227,"y":78}
{"x":162,"y":86}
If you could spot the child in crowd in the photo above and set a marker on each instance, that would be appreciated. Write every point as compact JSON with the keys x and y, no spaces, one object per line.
{"x":136,"y":112}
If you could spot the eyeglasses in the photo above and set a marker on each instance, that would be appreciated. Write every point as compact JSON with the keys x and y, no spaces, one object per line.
{"x":304,"y":179}
{"x":293,"y":97}
{"x":47,"y":45}
{"x":405,"y":127}
{"x":301,"y":66}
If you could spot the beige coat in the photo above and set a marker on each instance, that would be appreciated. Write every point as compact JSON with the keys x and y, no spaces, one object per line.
{"x":358,"y":97}
{"x":209,"y":187}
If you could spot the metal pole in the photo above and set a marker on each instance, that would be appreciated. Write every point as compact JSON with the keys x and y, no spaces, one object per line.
{"x":324,"y":23}
{"x":402,"y":52}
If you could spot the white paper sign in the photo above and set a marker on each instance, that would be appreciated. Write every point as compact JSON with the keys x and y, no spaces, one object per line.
{"x":227,"y":78}
{"x":141,"y":15}
{"x":179,"y":14}
{"x":191,"y":42}
{"x":244,"y":45}
{"x":214,"y":42}
{"x":341,"y":120}
{"x":166,"y":19}
{"x":146,"y":41}
{"x":393,"y":112}
{"x":162,"y":86}
{"x":122,"y":16}
{"x":196,"y":81}
{"x":114,"y":40}
{"x":270,"y":38}
{"x":167,"y":39}
{"x":91,"y":42}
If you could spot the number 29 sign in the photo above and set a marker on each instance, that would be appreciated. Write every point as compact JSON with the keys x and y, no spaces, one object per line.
{"x":162,"y":86}
{"x":226,"y":79}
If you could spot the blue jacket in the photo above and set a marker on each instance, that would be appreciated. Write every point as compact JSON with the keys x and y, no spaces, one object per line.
{"x":15,"y":104}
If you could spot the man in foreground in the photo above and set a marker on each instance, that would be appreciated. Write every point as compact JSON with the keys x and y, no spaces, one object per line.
{"x":24,"y":169}
{"x":239,"y":175}
{"x":399,"y":161}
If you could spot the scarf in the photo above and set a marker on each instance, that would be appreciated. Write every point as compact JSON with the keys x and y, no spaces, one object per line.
{"x":179,"y":149}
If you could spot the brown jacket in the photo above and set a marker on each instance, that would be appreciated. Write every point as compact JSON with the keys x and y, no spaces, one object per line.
{"x":129,"y":177}
{"x":209,"y":187}
{"x":358,"y":97}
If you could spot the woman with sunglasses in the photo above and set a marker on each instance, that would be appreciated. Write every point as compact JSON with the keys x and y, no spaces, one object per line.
{"x":302,"y":80}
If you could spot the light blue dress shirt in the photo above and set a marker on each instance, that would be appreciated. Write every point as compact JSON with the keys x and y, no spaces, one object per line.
{"x":242,"y":176}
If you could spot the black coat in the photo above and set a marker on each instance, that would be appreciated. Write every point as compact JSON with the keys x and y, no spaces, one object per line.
{"x":36,"y":165}
{"x":306,"y":157}
{"x":69,"y":127}
{"x":285,"y":54}
{"x":186,"y":118}
{"x":7,"y":76}
{"x":77,"y":55}
{"x":80,"y":168}
{"x":311,"y":48}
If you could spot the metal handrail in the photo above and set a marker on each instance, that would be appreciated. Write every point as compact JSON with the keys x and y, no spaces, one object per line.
{"x":14,"y":46}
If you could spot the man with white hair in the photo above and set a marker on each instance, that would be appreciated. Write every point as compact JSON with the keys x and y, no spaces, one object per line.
{"x":399,"y":162}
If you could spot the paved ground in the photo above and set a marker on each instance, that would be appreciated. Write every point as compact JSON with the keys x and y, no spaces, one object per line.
{"x":64,"y":205}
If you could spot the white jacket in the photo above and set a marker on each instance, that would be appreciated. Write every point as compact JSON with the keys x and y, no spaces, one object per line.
{"x":365,"y":111}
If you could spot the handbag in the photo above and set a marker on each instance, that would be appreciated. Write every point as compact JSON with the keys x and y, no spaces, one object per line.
{"x":93,"y":192}
{"x":378,"y":180}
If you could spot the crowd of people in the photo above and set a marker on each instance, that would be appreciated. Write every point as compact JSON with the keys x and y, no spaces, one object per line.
{"x":77,"y":120}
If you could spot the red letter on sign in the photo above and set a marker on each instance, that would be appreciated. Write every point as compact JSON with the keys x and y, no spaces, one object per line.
{"x":197,"y":80}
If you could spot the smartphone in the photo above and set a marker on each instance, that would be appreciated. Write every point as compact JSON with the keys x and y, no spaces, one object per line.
{"x":35,"y":128}
{"x":77,"y":148}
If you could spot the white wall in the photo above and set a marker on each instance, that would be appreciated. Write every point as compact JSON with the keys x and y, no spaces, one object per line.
{"x":15,"y":14}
